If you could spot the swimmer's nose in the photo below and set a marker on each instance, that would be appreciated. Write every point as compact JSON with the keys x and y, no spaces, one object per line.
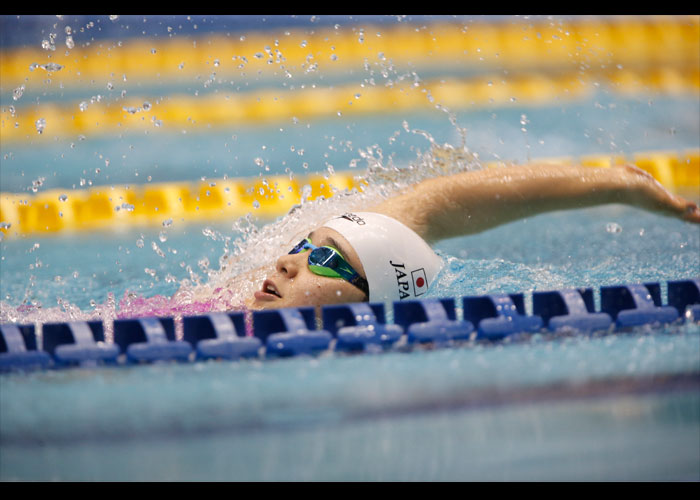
{"x":288,"y":265}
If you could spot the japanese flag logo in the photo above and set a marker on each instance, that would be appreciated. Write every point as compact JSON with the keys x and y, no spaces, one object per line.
{"x":420,"y":282}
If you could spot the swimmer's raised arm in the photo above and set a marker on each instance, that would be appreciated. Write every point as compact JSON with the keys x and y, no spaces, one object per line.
{"x":472,"y":202}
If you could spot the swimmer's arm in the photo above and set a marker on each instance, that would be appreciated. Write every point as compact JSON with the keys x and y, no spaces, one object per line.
{"x":472,"y":202}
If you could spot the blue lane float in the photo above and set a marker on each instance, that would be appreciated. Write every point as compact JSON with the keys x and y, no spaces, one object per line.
{"x":500,"y":315}
{"x":636,"y":305}
{"x":150,"y":339}
{"x":79,"y":342}
{"x":355,"y":327}
{"x":19,"y":350}
{"x":360,"y":326}
{"x":290,"y":332}
{"x":220,"y":335}
{"x":571,"y":309}
{"x":431,"y":320}
{"x":684,"y":295}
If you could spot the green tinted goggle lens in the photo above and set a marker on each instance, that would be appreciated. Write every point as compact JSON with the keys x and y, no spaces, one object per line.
{"x":327,"y":261}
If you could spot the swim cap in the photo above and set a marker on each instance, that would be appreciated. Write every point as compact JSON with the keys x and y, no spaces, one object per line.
{"x":398,"y":263}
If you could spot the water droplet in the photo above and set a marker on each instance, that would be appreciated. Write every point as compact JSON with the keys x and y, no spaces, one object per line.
{"x":40,"y":125}
{"x":83,"y":106}
{"x":69,"y":42}
{"x":51,"y":67}
{"x":62,"y":197}
{"x":157,"y":249}
{"x":167,"y":222}
{"x":613,"y":228}
{"x":17,"y":93}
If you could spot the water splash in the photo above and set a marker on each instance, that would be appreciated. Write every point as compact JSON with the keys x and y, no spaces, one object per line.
{"x":249,"y":255}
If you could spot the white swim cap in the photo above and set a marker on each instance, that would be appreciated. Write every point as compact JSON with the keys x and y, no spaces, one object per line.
{"x":398,"y":263}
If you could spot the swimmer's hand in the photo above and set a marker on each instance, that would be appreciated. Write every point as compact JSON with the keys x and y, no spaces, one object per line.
{"x":648,"y":193}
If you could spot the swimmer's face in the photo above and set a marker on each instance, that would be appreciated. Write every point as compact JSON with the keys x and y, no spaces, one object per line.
{"x":292,"y":284}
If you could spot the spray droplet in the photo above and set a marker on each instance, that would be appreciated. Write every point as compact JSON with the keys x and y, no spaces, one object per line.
{"x":613,"y":227}
{"x":17,"y":93}
{"x":51,"y":67}
{"x":40,"y":125}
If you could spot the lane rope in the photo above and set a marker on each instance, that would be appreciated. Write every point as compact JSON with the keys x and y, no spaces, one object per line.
{"x":110,"y":207}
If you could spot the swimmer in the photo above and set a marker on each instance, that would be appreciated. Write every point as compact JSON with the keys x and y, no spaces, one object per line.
{"x":383,"y":253}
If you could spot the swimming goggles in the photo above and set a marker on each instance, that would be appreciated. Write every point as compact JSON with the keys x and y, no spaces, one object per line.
{"x":328,"y":261}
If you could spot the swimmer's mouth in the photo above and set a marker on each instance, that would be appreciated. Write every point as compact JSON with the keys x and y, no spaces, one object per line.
{"x":269,"y":287}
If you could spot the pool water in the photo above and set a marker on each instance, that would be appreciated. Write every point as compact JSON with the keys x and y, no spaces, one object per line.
{"x":612,"y":407}
{"x":604,"y":407}
{"x":622,"y":406}
{"x":146,"y":261}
